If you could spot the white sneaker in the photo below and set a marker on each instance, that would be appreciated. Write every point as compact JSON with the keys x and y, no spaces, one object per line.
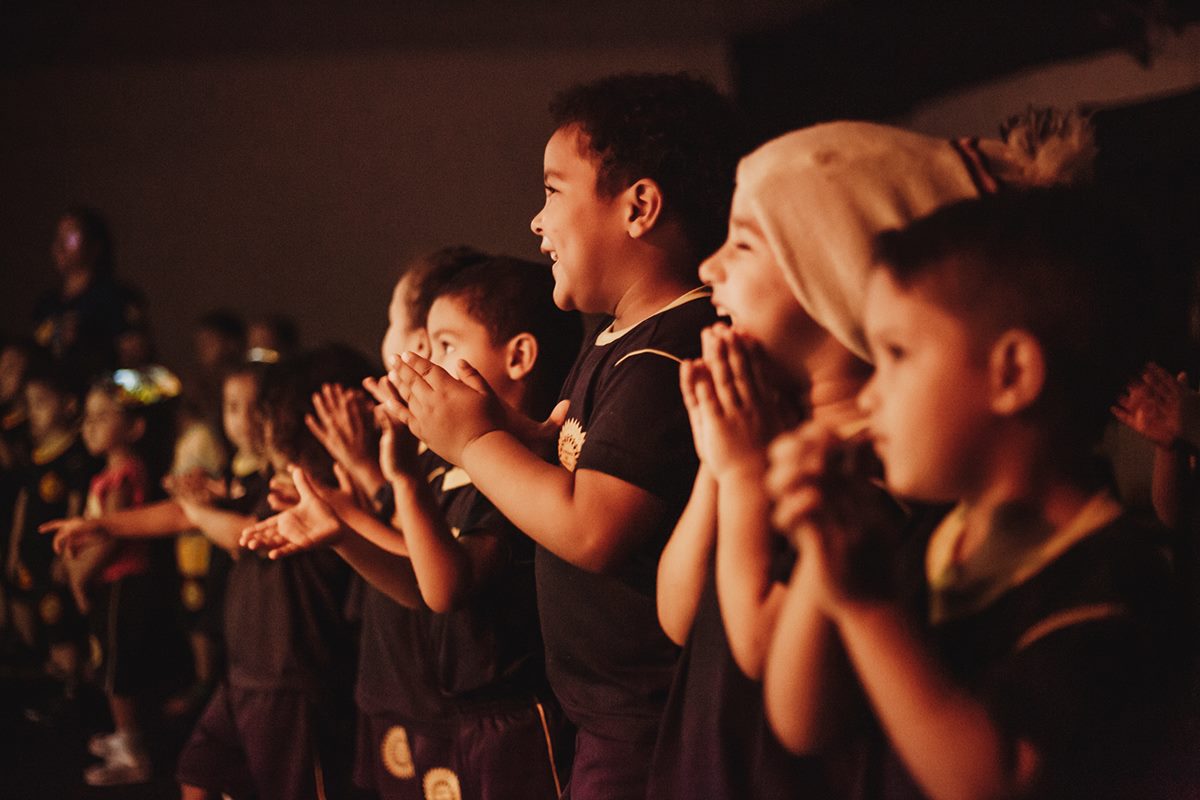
{"x":117,"y":774}
{"x":125,"y":762}
{"x":101,"y":745}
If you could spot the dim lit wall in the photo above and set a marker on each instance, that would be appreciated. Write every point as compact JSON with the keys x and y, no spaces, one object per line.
{"x":294,"y":184}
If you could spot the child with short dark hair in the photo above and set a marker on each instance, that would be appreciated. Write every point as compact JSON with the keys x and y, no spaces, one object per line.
{"x":53,"y":483}
{"x":638,"y":176}
{"x":1027,"y":648}
{"x":451,"y":686}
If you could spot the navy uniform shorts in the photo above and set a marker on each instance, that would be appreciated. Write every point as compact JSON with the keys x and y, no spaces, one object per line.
{"x":285,"y":745}
{"x":510,"y":752}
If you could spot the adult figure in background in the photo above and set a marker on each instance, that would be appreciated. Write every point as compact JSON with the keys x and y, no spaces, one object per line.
{"x":81,"y":319}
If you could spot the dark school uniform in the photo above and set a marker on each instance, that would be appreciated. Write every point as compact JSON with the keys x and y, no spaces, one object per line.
{"x":1065,"y":636}
{"x":715,"y":741}
{"x":281,"y":723}
{"x":82,"y":330}
{"x":54,"y":485}
{"x":458,"y":703}
{"x":607,"y":658}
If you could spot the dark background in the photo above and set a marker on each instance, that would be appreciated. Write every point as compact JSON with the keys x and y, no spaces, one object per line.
{"x":289,"y":157}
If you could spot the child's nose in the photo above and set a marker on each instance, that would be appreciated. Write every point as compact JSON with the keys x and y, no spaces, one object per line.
{"x":710,"y":271}
{"x":535,"y":224}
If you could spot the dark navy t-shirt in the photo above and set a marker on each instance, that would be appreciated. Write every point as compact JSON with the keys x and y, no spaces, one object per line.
{"x":423,"y":666}
{"x":607,"y":658}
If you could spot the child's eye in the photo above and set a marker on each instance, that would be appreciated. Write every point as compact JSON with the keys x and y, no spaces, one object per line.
{"x":549,"y":189}
{"x":895,"y":352}
{"x":740,"y":245}
{"x":447,"y":347}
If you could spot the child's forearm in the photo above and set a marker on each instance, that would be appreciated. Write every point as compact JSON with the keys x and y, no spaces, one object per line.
{"x":391,"y":574}
{"x":369,"y":527}
{"x":223,"y":528}
{"x":443,"y":570}
{"x":157,"y":519}
{"x":806,"y":682}
{"x":367,"y":476}
{"x":683,"y":567}
{"x":1170,"y":466}
{"x":749,"y":599}
{"x":587,"y":518}
{"x":946,"y":738}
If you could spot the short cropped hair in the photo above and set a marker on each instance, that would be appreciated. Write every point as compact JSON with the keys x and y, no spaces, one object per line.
{"x":286,"y":396}
{"x":1063,"y":265}
{"x":509,"y":296}
{"x":676,"y":130}
{"x":428,"y":273}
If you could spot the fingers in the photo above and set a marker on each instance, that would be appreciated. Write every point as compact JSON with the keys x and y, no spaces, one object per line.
{"x":715,"y":348}
{"x":384,"y":391}
{"x":688,"y":369}
{"x":265,"y":530}
{"x":344,"y":481}
{"x":558,"y":416}
{"x":304,"y":487}
{"x":51,"y":526}
{"x":796,"y":509}
{"x":471,"y":377}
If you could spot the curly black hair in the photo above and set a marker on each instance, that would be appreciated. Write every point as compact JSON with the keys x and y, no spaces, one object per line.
{"x":675,"y":129}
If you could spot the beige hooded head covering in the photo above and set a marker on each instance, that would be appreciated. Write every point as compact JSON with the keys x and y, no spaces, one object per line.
{"x":820,"y":195}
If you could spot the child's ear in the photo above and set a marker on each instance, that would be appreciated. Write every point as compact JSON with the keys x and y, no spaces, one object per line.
{"x":1017,"y":369}
{"x":136,"y":429}
{"x":644,"y":201}
{"x":520,"y":356}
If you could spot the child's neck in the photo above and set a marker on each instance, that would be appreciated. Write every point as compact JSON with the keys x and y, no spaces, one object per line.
{"x":651,"y":291}
{"x":1036,"y":492}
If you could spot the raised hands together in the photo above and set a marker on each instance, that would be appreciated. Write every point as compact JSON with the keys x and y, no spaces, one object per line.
{"x":827,"y":499}
{"x":1155,"y":405}
{"x":733,"y":406}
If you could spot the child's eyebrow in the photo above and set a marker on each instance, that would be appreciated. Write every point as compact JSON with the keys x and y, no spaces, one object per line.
{"x":551,"y":173}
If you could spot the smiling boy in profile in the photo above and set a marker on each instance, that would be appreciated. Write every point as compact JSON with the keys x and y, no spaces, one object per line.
{"x":638,"y":177}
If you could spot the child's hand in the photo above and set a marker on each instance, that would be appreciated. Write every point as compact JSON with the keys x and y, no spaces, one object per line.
{"x":397,"y":449}
{"x":282,"y":494}
{"x":194,"y":486}
{"x":74,"y":534}
{"x":385,"y":393}
{"x":446,"y":413}
{"x":1153,"y":405}
{"x":312,"y":522}
{"x":843,"y":525}
{"x":692,"y":373}
{"x":739,"y":410}
{"x":340,"y":425}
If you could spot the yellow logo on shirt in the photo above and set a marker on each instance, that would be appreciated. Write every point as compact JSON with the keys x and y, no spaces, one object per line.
{"x":51,"y":609}
{"x":191,"y":594}
{"x":570,"y":443}
{"x":441,"y":784}
{"x":51,"y":488}
{"x":397,"y":756}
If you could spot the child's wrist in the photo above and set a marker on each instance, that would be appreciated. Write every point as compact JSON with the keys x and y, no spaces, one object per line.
{"x":749,"y":467}
{"x":473,"y":440}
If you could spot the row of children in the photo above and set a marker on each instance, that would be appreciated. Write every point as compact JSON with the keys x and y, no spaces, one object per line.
{"x":956,"y":606}
{"x":59,"y":609}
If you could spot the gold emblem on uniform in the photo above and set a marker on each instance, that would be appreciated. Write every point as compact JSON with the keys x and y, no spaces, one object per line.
{"x":24,"y":578}
{"x":570,"y":443}
{"x":192,"y":552}
{"x":95,"y":652}
{"x":441,"y":784}
{"x":191,"y":594}
{"x":51,"y":488}
{"x":51,"y":609}
{"x":397,"y":756}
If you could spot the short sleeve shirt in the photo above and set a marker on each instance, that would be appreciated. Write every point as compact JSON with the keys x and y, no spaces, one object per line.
{"x":423,"y":666}
{"x":1075,"y":658}
{"x":56,"y":474}
{"x":285,"y":625}
{"x":607,"y":658}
